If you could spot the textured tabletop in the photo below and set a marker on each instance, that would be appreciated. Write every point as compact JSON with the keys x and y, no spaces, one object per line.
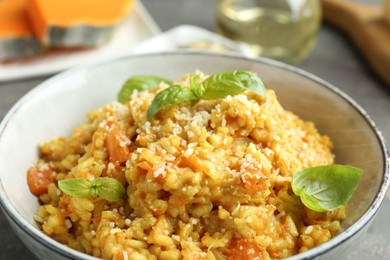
{"x":334,"y":59}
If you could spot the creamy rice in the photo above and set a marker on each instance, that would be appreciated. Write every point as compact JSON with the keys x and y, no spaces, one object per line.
{"x":204,"y":181}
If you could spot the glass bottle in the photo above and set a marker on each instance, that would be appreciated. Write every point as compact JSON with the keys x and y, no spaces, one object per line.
{"x":285,"y":30}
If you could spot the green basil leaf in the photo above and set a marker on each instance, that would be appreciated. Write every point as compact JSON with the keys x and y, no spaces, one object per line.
{"x":109,"y":188}
{"x":222,"y":84}
{"x":312,"y":203}
{"x":325,"y":188}
{"x":95,"y":187}
{"x":196,"y":86}
{"x":139,"y":82}
{"x":169,"y":96}
{"x":218,"y":85}
{"x":78,"y":187}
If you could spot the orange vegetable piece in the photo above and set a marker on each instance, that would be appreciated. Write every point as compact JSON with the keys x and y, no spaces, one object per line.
{"x":252,"y":184}
{"x":38,"y":181}
{"x":14,"y":19}
{"x":190,"y":162}
{"x":244,"y":249}
{"x":48,"y":14}
{"x":16,"y":34}
{"x":145,"y":165}
{"x":117,"y":145}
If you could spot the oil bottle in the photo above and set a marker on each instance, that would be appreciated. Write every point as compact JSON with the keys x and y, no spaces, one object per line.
{"x":285,"y":30}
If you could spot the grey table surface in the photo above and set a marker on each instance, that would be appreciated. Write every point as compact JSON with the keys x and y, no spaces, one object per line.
{"x":334,"y":59}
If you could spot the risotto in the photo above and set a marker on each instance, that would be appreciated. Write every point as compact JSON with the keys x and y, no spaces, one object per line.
{"x":210,"y":180}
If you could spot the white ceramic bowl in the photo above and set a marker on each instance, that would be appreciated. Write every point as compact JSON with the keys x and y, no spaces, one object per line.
{"x":57,"y":105}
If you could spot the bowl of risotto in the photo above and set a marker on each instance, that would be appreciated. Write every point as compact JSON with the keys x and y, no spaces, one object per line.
{"x":190,"y":155}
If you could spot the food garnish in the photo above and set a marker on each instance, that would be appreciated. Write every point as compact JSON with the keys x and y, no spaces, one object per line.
{"x":326,"y":188}
{"x":139,"y":82}
{"x":107,"y":188}
{"x":218,"y":85}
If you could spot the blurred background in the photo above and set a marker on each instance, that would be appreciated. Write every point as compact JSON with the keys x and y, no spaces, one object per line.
{"x":345,"y":42}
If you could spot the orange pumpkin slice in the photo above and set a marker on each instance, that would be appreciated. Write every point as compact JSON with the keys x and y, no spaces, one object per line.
{"x":77,"y":23}
{"x":16,"y":34}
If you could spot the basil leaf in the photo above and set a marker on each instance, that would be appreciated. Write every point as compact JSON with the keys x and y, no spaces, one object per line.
{"x":139,"y":82}
{"x":325,"y":188}
{"x":196,"y":86}
{"x":169,"y":96}
{"x":222,"y":84}
{"x":106,"y":188}
{"x":109,"y":188}
{"x":218,"y":85}
{"x":312,"y":203}
{"x":95,"y":187}
{"x":78,"y":187}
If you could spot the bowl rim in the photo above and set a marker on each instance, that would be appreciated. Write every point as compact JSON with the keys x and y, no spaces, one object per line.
{"x":13,"y":214}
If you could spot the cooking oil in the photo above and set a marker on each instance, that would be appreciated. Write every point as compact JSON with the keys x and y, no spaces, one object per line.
{"x":285,"y":30}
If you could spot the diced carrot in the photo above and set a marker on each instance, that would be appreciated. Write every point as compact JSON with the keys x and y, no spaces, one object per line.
{"x":145,"y":165}
{"x":191,"y":162}
{"x":253,"y":184}
{"x":255,"y":179}
{"x":117,"y":146}
{"x":38,"y":181}
{"x":244,"y":249}
{"x":160,"y":179}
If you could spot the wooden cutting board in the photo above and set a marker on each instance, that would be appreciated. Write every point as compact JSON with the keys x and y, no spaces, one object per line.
{"x":367,"y":28}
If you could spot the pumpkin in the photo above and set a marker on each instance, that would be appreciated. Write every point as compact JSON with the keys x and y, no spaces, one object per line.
{"x":16,"y":35}
{"x":76,"y":23}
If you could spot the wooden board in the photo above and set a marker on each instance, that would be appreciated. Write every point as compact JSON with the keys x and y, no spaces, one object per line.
{"x":367,"y":28}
